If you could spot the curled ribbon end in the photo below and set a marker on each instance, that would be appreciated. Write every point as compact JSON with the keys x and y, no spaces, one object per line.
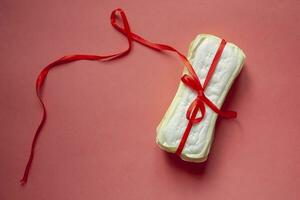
{"x":23,"y":181}
{"x":230,"y":114}
{"x":234,"y":114}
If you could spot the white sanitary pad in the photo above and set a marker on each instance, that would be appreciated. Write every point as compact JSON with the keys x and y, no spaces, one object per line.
{"x":171,"y":128}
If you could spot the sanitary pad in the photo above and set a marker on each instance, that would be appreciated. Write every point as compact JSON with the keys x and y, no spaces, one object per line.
{"x":170,"y":130}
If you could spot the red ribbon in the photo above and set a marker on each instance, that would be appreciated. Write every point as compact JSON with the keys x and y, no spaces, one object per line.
{"x":191,"y":80}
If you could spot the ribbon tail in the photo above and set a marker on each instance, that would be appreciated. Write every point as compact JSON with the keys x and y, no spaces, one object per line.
{"x":34,"y":141}
{"x":225,"y":114}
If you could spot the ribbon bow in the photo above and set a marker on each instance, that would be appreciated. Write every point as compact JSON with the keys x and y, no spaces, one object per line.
{"x":198,"y":103}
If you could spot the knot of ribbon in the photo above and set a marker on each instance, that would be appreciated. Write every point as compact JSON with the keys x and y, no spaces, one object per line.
{"x":191,"y":81}
{"x":200,"y":100}
{"x":198,"y":103}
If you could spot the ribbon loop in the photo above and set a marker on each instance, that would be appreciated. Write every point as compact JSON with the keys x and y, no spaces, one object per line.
{"x":195,"y":106}
{"x":191,"y":82}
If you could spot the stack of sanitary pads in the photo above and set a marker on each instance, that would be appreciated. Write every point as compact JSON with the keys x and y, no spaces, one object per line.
{"x":171,"y":128}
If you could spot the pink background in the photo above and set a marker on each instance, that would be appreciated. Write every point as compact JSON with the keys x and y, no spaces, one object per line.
{"x":99,"y":140}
